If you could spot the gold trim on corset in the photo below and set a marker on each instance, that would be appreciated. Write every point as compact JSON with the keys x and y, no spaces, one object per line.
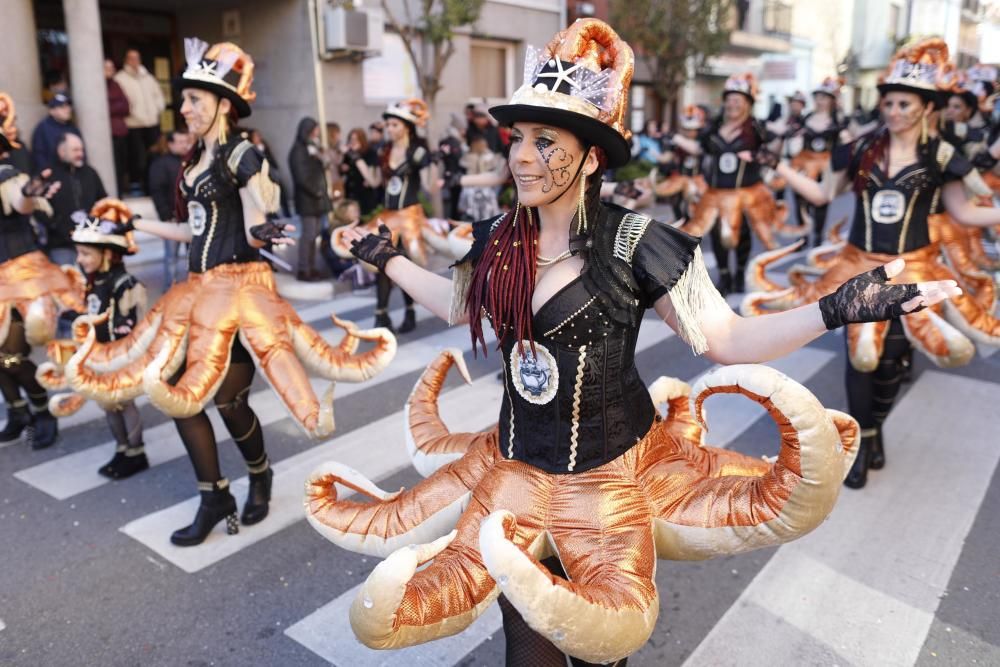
{"x":577,"y":393}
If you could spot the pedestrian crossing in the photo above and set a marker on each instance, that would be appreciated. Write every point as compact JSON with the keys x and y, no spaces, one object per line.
{"x":864,"y":588}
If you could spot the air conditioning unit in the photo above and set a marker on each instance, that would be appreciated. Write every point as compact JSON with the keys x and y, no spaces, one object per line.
{"x":352,"y":30}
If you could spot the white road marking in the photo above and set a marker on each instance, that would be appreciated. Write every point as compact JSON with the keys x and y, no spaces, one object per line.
{"x":867,"y":584}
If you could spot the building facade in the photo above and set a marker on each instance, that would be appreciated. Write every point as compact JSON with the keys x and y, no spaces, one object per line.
{"x":296,"y":73}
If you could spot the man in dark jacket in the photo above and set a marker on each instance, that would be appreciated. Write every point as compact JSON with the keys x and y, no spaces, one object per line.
{"x":45,"y":139}
{"x":118,"y":109}
{"x":312,"y":201}
{"x":163,"y":189}
{"x":80,"y":188}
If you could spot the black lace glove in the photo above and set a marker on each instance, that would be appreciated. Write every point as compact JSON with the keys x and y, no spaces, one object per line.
{"x":376,"y":249}
{"x":867,"y":297}
{"x":766,"y":157}
{"x":268,"y":232}
{"x":38,"y":186}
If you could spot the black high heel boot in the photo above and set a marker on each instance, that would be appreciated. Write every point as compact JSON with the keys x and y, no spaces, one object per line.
{"x":858,"y":475}
{"x":877,"y":459}
{"x":725,"y":282}
{"x":258,"y":498}
{"x":216,"y":504}
{"x":107,"y":469}
{"x":18,"y":419}
{"x":44,"y":430}
{"x":382,"y":320}
{"x":409,"y":321}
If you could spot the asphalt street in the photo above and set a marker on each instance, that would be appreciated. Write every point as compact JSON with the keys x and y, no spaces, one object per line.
{"x":903,"y":572}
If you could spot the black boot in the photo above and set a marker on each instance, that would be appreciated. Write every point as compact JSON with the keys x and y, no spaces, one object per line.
{"x":44,"y":430}
{"x":725,"y":282}
{"x":858,"y":476}
{"x":106,"y":469}
{"x":18,"y":419}
{"x":133,"y":461}
{"x":216,"y":504}
{"x":258,"y":497}
{"x":739,"y":284}
{"x":877,"y":459}
{"x":382,"y":320}
{"x":409,"y":321}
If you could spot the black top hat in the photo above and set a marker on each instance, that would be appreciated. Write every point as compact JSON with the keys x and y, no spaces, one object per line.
{"x":223,"y":69}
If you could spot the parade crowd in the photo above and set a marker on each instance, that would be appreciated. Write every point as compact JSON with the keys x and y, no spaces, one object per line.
{"x":541,"y":215}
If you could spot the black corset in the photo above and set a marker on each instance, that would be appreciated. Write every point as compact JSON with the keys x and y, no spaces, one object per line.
{"x":215,"y":215}
{"x":891,"y":216}
{"x":578,"y":401}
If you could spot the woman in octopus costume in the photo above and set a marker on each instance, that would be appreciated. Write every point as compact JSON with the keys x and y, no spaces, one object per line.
{"x":822,"y":130}
{"x":32,"y":292}
{"x":200,"y":341}
{"x":901,"y":176}
{"x":685,"y":183}
{"x":564,"y":507}
{"x":737,"y":199}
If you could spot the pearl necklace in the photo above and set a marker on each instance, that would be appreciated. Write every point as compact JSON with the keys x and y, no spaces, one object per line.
{"x":542,"y":262}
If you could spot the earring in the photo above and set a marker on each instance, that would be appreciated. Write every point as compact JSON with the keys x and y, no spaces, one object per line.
{"x":923,"y":129}
{"x":581,"y":206}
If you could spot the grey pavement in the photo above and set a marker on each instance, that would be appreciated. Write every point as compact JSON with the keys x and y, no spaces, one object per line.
{"x":904,"y":572}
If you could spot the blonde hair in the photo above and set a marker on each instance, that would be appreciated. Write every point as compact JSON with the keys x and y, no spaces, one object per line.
{"x":341,"y":211}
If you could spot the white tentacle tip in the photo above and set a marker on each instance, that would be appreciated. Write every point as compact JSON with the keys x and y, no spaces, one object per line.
{"x":459,"y":359}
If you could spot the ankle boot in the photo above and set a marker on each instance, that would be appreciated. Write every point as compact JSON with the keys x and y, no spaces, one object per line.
{"x":877,"y":459}
{"x":725,"y":282}
{"x":216,"y":504}
{"x":858,"y":475}
{"x":107,"y":469}
{"x":44,"y":431}
{"x":18,"y":419}
{"x":409,"y":321}
{"x":382,"y":320}
{"x":258,"y":497}
{"x":133,"y":461}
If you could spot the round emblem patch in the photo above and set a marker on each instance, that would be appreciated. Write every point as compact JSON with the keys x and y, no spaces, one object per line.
{"x":819,"y":144}
{"x":535,"y":376}
{"x":197,"y":218}
{"x":888,"y":206}
{"x":690,"y":162}
{"x":93,"y":304}
{"x":394,"y":186}
{"x":728,"y":162}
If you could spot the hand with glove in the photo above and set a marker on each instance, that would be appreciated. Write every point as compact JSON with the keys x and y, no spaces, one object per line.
{"x":375,"y":249}
{"x":870,"y":297}
{"x":41,"y":186}
{"x":274,"y":233}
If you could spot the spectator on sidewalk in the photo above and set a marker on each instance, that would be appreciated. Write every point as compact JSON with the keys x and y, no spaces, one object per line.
{"x":357,"y":170}
{"x":45,"y":139}
{"x":312,"y":202}
{"x":81,"y":188}
{"x":483,"y":126}
{"x":146,"y":104}
{"x":163,"y":190}
{"x":118,"y":109}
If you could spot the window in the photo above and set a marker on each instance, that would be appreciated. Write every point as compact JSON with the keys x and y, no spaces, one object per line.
{"x":491,"y":70}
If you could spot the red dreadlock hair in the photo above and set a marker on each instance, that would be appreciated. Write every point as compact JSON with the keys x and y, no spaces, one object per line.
{"x":503,"y":281}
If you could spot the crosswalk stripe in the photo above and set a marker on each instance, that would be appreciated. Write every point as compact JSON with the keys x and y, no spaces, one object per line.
{"x":76,"y":473}
{"x":728,"y":417}
{"x":835,"y":591}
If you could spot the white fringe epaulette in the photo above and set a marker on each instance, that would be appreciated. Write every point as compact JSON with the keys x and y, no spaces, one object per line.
{"x":692,"y":295}
{"x":266,"y":194}
{"x":461,"y":280}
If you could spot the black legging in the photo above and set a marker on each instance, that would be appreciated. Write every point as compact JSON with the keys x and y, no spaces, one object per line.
{"x":742,"y":248}
{"x":818,"y":214}
{"x":17,"y":371}
{"x":870,"y":395}
{"x":383,"y":288}
{"x":240,"y":420}
{"x":527,"y":648}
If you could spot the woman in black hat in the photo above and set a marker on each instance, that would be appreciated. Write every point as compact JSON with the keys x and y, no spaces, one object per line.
{"x":901,"y":176}
{"x":199,"y":343}
{"x":564,"y":281}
